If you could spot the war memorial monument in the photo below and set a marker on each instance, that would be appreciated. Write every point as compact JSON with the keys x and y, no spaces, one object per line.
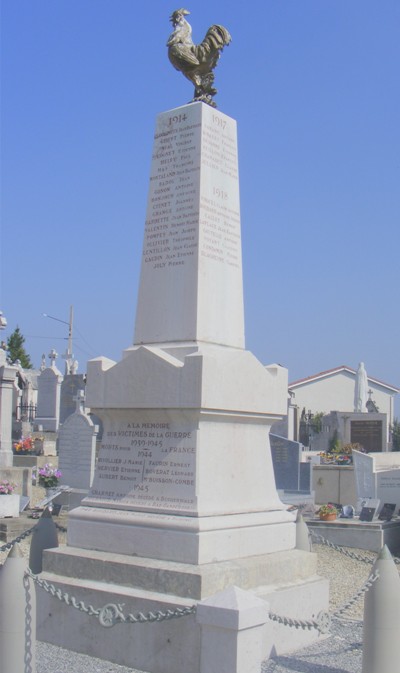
{"x":183,"y":503}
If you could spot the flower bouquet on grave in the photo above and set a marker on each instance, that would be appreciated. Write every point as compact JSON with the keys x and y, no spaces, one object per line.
{"x":6,"y":487}
{"x":48,"y":476}
{"x":326,"y":458}
{"x":25,"y":446}
{"x":327,"y":512}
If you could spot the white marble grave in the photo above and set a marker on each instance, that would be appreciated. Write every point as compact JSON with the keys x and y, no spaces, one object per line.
{"x":184,"y":497}
{"x":48,"y":401}
{"x":378,"y":476}
{"x":77,"y":448}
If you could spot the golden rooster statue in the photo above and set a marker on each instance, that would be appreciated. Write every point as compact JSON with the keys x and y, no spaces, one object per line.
{"x":196,"y":61}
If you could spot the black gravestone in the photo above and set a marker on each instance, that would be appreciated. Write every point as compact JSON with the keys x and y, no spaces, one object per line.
{"x":387,"y":511}
{"x":286,"y":462}
{"x":367,"y":513}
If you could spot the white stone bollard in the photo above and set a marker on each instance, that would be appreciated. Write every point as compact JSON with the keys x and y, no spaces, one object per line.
{"x":381,"y":641}
{"x":232,"y":623}
{"x":17,"y":616}
{"x":303,"y":538}
{"x":44,"y":536}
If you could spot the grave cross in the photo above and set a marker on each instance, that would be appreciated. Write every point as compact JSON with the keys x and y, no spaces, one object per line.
{"x":79,"y":398}
{"x":53,"y":355}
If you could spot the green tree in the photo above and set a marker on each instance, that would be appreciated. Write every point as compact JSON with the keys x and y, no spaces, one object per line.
{"x":16,"y":350}
{"x":396,"y":434}
{"x":316,"y":422}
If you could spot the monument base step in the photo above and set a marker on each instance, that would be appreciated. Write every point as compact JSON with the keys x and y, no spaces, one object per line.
{"x":194,"y":582}
{"x":286,"y":580}
{"x":369,"y":535}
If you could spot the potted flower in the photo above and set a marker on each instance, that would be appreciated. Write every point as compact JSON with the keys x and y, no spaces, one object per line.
{"x":9,"y":501}
{"x":328,"y":512}
{"x":49,"y":476}
{"x":24,"y":446}
{"x":28,"y":446}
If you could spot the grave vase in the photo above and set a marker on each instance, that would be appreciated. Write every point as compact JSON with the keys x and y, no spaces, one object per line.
{"x":9,"y":505}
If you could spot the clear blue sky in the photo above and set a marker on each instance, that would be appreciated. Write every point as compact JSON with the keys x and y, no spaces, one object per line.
{"x":314,"y":86}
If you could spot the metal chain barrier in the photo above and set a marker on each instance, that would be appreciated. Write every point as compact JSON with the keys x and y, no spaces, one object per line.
{"x":366,"y":586}
{"x":321,"y":623}
{"x":342,"y":550}
{"x":357,"y":557}
{"x":111,"y":613}
{"x":28,"y":532}
{"x":28,"y":667}
{"x":21,"y":537}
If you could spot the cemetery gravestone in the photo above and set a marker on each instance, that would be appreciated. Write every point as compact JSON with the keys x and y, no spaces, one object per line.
{"x":48,"y":403}
{"x":70,"y":387}
{"x":77,"y":448}
{"x":378,"y":476}
{"x":286,"y":456}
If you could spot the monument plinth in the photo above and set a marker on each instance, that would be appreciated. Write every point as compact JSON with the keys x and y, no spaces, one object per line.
{"x":183,"y":502}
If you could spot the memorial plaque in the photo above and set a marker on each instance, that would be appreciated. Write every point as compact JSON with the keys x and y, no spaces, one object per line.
{"x":367,"y":513}
{"x":367,"y":502}
{"x":148,"y":465}
{"x":387,"y":511}
{"x":367,"y":433}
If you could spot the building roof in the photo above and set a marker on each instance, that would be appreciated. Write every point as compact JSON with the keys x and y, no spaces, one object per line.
{"x":337,"y":370}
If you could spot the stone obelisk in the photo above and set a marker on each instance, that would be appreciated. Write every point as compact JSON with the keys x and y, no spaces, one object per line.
{"x":183,"y":502}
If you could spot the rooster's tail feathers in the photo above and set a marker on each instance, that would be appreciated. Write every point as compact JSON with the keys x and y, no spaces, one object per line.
{"x":216,"y":39}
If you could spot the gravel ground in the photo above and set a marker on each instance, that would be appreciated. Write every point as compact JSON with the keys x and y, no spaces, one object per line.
{"x":340,"y":652}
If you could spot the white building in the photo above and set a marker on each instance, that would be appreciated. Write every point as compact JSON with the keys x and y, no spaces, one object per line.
{"x":333,"y":390}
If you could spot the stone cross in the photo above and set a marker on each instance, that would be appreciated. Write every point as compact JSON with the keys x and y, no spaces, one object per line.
{"x":80,"y":401}
{"x":43,"y":363}
{"x":53,"y":355}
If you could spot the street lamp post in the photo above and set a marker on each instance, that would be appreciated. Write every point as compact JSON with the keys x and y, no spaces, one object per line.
{"x":70,"y":363}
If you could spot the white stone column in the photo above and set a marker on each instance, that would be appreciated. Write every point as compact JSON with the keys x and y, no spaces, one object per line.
{"x":7,"y":379}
